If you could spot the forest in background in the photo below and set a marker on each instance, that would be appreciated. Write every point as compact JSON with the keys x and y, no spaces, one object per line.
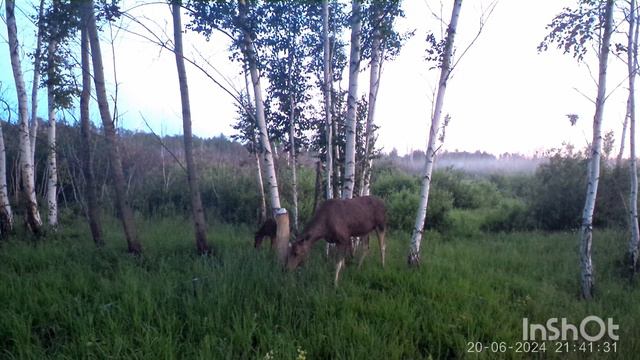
{"x":512,"y":192}
{"x":494,"y":238}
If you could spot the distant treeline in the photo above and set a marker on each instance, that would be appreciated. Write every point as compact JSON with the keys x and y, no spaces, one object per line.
{"x":549,"y":196}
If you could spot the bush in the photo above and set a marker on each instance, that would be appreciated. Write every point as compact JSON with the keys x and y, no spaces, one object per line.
{"x":558,"y":193}
{"x":401,"y":194}
{"x":467,"y":192}
{"x":557,"y":196}
{"x":509,"y":215}
{"x":464,"y":223}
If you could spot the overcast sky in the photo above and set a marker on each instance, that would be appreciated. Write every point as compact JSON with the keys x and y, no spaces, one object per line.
{"x":503,"y":97}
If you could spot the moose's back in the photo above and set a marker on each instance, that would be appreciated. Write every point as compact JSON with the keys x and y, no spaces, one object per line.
{"x":358,"y":216}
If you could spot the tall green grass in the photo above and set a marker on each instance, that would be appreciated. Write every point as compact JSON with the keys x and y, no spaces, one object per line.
{"x":62,"y":298}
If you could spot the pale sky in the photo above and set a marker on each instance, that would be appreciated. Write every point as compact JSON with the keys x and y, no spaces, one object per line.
{"x":503,"y":97}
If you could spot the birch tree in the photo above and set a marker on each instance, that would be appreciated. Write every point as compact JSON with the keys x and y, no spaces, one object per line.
{"x":445,"y":71}
{"x":593,"y":174}
{"x":247,"y":127}
{"x":6,"y":214}
{"x":374,"y":85}
{"x":326,"y":90}
{"x":573,"y":30}
{"x":632,"y":67}
{"x":126,"y":214}
{"x":248,"y":50}
{"x":328,"y":69}
{"x":52,"y":177}
{"x":33,"y":219}
{"x":381,"y":43}
{"x":93,"y":210}
{"x":37,"y":58}
{"x":352,"y":101}
{"x":199,"y":222}
{"x":287,"y":51}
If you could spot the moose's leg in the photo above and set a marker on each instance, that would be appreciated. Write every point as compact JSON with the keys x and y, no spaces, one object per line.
{"x":356,"y":241}
{"x":383,"y":247}
{"x":257,"y":241}
{"x":342,"y":248}
{"x":365,"y":249}
{"x":273,"y":241}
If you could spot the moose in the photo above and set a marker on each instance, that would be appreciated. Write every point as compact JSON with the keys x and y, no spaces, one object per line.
{"x":268,"y":228}
{"x":336,"y":221}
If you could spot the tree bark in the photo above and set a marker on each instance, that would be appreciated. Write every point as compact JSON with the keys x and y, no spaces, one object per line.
{"x":337,"y":173}
{"x":374,"y":85}
{"x":445,"y":71}
{"x":586,"y":229}
{"x":199,"y":221}
{"x":263,"y":198}
{"x":281,"y":215}
{"x":256,"y":147}
{"x":623,"y":137}
{"x":6,"y":215}
{"x":26,"y":166}
{"x":352,"y":102}
{"x":292,"y":152}
{"x":33,"y":132}
{"x":327,"y":90}
{"x":632,"y":55}
{"x":93,"y":210}
{"x":318,"y":186}
{"x":52,"y":171}
{"x":126,"y":213}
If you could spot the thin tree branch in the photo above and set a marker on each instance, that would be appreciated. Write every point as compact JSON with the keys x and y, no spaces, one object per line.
{"x":584,"y":95}
{"x":155,"y":39}
{"x":484,"y":17}
{"x":162,"y":143}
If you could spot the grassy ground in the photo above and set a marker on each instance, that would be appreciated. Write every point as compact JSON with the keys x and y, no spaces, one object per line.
{"x":61,"y":298}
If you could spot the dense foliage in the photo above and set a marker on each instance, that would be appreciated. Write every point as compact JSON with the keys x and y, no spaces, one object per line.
{"x":550,"y":198}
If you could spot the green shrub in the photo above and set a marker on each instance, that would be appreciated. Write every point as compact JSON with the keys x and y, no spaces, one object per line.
{"x":389,"y":182}
{"x":558,"y":189}
{"x":403,"y":205}
{"x":468,"y":192}
{"x":401,"y":193}
{"x":509,"y":215}
{"x":464,"y":223}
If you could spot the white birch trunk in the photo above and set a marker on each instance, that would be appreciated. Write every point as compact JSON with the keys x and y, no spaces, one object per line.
{"x":416,"y":238}
{"x":593,"y":175}
{"x":374,"y":85}
{"x":259,"y":104}
{"x":292,"y":152}
{"x":6,"y":215}
{"x":26,"y":167}
{"x":52,"y":177}
{"x":328,"y":81}
{"x":281,"y":215}
{"x":352,"y":102}
{"x":337,"y":173}
{"x":34,"y":89}
{"x":263,"y":198}
{"x":328,"y":108}
{"x":254,"y":140}
{"x":632,"y":54}
{"x":623,"y":137}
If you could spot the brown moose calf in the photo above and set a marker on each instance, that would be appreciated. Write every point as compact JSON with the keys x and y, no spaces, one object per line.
{"x":269,"y":229}
{"x":336,"y":221}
